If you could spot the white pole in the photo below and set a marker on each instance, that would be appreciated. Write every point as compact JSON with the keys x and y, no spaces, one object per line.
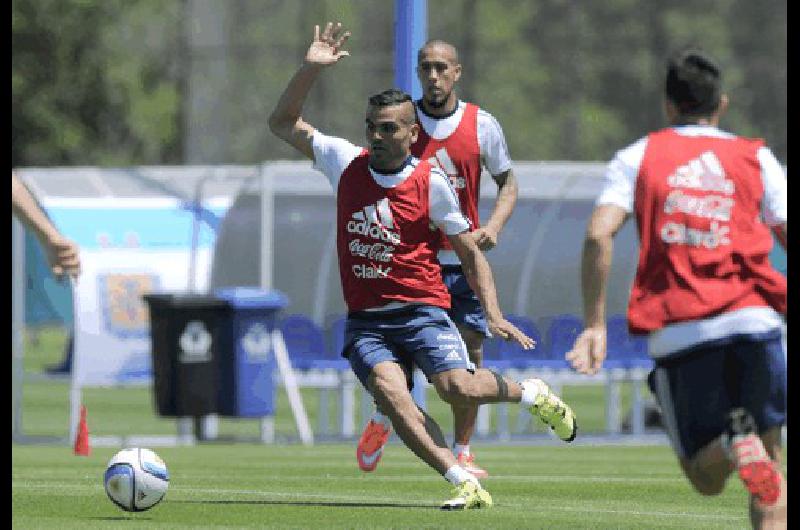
{"x":17,"y":325}
{"x":265,"y":270}
{"x":74,"y":406}
{"x":290,"y":383}
{"x":267,"y":227}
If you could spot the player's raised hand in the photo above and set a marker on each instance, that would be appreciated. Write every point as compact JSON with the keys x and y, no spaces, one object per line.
{"x":589,"y":351}
{"x":326,"y":49}
{"x":507,"y":331}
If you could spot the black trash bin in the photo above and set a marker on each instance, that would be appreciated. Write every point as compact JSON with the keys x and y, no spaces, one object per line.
{"x":186,"y":337}
{"x":213,"y":353}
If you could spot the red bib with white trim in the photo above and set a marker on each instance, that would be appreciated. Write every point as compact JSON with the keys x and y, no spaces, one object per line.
{"x":703,"y":246}
{"x":386,"y":247}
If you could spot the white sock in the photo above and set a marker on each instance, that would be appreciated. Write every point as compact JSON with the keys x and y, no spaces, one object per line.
{"x":461,"y":449}
{"x":530,"y":392}
{"x":744,"y":449}
{"x":456,"y":475}
{"x":377,"y":417}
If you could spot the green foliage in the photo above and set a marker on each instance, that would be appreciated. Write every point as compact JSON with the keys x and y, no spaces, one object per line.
{"x":125,"y":82}
{"x":93,"y":83}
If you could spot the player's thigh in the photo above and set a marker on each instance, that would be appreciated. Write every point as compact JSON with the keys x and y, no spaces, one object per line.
{"x":367,"y":349}
{"x":474,"y":343}
{"x":694,"y":397}
{"x":465,"y":308}
{"x":760,"y":373}
{"x":433,"y":342}
{"x":388,"y":383}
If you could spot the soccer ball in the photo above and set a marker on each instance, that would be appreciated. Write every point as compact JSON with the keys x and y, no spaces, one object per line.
{"x":136,"y":479}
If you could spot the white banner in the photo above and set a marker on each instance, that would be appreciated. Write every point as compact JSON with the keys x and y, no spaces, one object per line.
{"x":112,"y":327}
{"x":136,"y":247}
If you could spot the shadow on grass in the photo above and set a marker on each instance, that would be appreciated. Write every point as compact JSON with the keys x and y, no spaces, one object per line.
{"x":131,"y":518}
{"x":328,"y":504}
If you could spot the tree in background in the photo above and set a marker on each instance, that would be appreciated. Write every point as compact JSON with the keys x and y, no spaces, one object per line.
{"x":95,"y":83}
{"x":130,"y":82}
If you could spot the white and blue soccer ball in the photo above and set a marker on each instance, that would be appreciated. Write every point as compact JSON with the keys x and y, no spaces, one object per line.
{"x":136,"y":479}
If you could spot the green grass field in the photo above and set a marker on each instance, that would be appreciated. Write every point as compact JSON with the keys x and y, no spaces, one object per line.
{"x":233,"y":486}
{"x":239,"y":485}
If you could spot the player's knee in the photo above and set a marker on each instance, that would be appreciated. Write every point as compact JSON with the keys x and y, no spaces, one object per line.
{"x":456,"y":388}
{"x":707,"y":486}
{"x":384,"y":388}
{"x":705,"y":483}
{"x":386,"y":385}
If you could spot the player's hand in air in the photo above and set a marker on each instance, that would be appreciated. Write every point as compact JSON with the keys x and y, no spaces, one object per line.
{"x":507,"y":331}
{"x":485,"y":238}
{"x":326,"y":49}
{"x":64,"y":257}
{"x":589,"y":351}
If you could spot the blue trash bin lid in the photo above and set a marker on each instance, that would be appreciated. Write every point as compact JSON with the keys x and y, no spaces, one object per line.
{"x":252,"y":297}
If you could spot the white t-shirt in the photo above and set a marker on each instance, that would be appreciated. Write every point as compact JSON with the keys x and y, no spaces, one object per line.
{"x":332,"y":155}
{"x":618,"y":189}
{"x":491,"y":141}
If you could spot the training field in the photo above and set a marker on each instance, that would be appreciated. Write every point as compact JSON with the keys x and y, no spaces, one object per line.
{"x":225,"y":485}
{"x":255,"y":486}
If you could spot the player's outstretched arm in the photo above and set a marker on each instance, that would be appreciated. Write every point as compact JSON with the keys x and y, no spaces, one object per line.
{"x":62,"y":254}
{"x":479,"y":275}
{"x":486,"y":236}
{"x":285,"y":121}
{"x":589,"y":351}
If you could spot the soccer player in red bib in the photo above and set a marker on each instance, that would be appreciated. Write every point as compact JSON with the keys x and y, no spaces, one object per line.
{"x":461,"y":139}
{"x":387,"y":202}
{"x":705,"y":203}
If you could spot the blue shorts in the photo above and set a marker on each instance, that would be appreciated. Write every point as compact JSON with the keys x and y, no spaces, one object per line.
{"x":465,"y":308}
{"x":699,"y":386}
{"x":419,"y":335}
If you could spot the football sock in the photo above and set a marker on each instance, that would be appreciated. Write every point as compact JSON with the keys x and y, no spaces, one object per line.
{"x":382,"y":419}
{"x":459,"y":449}
{"x":529,"y":394}
{"x":457,"y":475}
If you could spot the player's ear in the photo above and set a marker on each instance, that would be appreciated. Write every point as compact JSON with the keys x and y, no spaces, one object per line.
{"x":670,"y":111}
{"x":457,"y":71}
{"x":724,"y":101}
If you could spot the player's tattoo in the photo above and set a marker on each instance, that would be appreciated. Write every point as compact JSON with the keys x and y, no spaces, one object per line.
{"x":502,"y":386}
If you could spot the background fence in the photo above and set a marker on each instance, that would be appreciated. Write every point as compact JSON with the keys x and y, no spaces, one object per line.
{"x":273,"y":227}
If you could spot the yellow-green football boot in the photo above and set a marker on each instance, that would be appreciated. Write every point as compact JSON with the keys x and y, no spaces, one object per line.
{"x":549,"y":408}
{"x":467,"y":496}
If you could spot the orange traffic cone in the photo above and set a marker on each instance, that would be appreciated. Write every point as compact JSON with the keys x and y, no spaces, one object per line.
{"x":82,"y":439}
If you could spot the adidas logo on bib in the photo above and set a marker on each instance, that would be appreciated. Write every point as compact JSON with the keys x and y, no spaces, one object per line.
{"x":375,"y":221}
